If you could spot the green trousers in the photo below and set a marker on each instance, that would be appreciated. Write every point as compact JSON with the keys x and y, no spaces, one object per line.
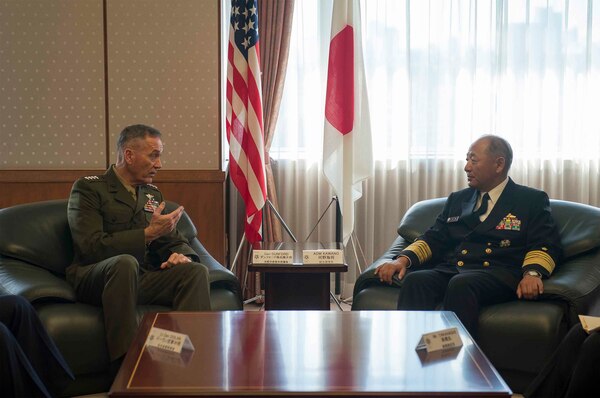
{"x":118,"y":285}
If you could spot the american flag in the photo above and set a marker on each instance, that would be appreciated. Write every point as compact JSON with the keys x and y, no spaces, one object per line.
{"x":244,"y":114}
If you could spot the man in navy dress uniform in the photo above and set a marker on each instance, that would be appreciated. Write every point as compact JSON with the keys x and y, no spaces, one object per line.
{"x":494,"y":242}
{"x":127,"y":252}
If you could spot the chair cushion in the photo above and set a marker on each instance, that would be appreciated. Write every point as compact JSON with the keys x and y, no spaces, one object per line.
{"x":33,"y":283}
{"x":376,"y":298}
{"x":578,"y":226}
{"x":78,"y":331}
{"x":530,"y":328}
{"x":38,"y":234}
{"x":419,"y":218}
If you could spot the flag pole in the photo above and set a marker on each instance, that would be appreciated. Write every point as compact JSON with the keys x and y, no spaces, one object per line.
{"x":281,"y":220}
{"x":237,"y":253}
{"x":339,"y":232}
{"x":347,"y":141}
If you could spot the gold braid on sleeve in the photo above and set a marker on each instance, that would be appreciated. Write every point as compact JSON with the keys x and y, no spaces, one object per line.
{"x":541,"y":258}
{"x":421,"y":249}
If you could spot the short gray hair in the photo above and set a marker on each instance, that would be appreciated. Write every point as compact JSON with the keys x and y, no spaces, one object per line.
{"x":499,"y":147}
{"x":133,"y":132}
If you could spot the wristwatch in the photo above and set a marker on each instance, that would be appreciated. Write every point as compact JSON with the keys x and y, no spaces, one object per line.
{"x":533,"y":273}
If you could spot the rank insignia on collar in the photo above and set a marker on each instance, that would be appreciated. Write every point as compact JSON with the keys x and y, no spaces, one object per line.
{"x":510,"y":222}
{"x":151,"y":204}
{"x":504,"y":243}
{"x":91,"y":178}
{"x":452,"y":219}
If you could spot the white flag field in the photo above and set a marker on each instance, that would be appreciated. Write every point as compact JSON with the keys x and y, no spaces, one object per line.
{"x":347,"y":144}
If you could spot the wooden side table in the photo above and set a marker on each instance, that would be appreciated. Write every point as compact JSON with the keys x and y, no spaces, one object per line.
{"x":297,"y":286}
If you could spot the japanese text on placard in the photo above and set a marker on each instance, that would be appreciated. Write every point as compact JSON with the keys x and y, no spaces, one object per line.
{"x":272,"y":257}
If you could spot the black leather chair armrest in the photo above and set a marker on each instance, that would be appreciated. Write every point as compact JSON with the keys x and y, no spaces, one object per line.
{"x":32,"y":282}
{"x":368,"y":278}
{"x":217,"y":274}
{"x":577,"y":282}
{"x":216,"y":270}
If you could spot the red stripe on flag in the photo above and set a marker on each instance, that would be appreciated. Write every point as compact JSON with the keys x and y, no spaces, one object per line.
{"x":253,"y":89}
{"x":339,"y":105}
{"x":239,"y":179}
{"x":254,"y":228}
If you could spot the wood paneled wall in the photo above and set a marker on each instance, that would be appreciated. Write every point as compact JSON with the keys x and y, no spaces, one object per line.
{"x":75,"y":73}
{"x":201,"y":192}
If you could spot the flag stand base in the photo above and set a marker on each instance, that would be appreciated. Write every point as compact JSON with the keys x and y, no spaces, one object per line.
{"x":353,"y":240}
{"x":259,"y":297}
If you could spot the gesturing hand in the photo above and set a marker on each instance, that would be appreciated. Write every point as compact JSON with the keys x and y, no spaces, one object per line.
{"x":162,"y":224}
{"x":175,"y":259}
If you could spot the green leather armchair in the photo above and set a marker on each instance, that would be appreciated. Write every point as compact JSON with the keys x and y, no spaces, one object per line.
{"x":35,"y":249}
{"x":518,"y":336}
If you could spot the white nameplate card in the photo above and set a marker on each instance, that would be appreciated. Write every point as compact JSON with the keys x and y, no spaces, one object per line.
{"x":441,"y":340}
{"x":590,"y":323}
{"x":323,"y":256}
{"x":168,"y":340}
{"x":272,"y":257}
{"x":181,"y":359}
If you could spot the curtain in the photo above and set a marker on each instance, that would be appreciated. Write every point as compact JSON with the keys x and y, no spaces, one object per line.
{"x":440,"y":74}
{"x":275,"y":21}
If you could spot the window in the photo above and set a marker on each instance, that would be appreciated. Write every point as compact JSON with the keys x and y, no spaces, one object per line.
{"x":441,"y":73}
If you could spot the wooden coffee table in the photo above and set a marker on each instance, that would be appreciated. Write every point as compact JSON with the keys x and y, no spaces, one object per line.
{"x":297,"y":286}
{"x":305,"y":354}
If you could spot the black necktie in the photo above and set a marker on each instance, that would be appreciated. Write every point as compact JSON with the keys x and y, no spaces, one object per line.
{"x":483,"y":208}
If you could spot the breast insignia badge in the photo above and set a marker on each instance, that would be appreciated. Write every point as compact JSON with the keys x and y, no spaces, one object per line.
{"x":505,"y":243}
{"x":151,"y":204}
{"x":509,"y":222}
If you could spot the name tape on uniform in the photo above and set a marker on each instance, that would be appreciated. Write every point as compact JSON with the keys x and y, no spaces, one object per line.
{"x":324,"y":256}
{"x":441,"y":340}
{"x":168,"y":340}
{"x":272,"y":256}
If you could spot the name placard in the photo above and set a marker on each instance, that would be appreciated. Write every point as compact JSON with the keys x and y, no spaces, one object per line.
{"x":168,"y":340}
{"x":589,"y":323}
{"x":181,"y":359}
{"x":323,"y":256}
{"x":272,"y":256}
{"x":446,"y":339}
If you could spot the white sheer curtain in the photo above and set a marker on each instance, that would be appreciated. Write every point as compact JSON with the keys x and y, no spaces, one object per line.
{"x":440,"y":74}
